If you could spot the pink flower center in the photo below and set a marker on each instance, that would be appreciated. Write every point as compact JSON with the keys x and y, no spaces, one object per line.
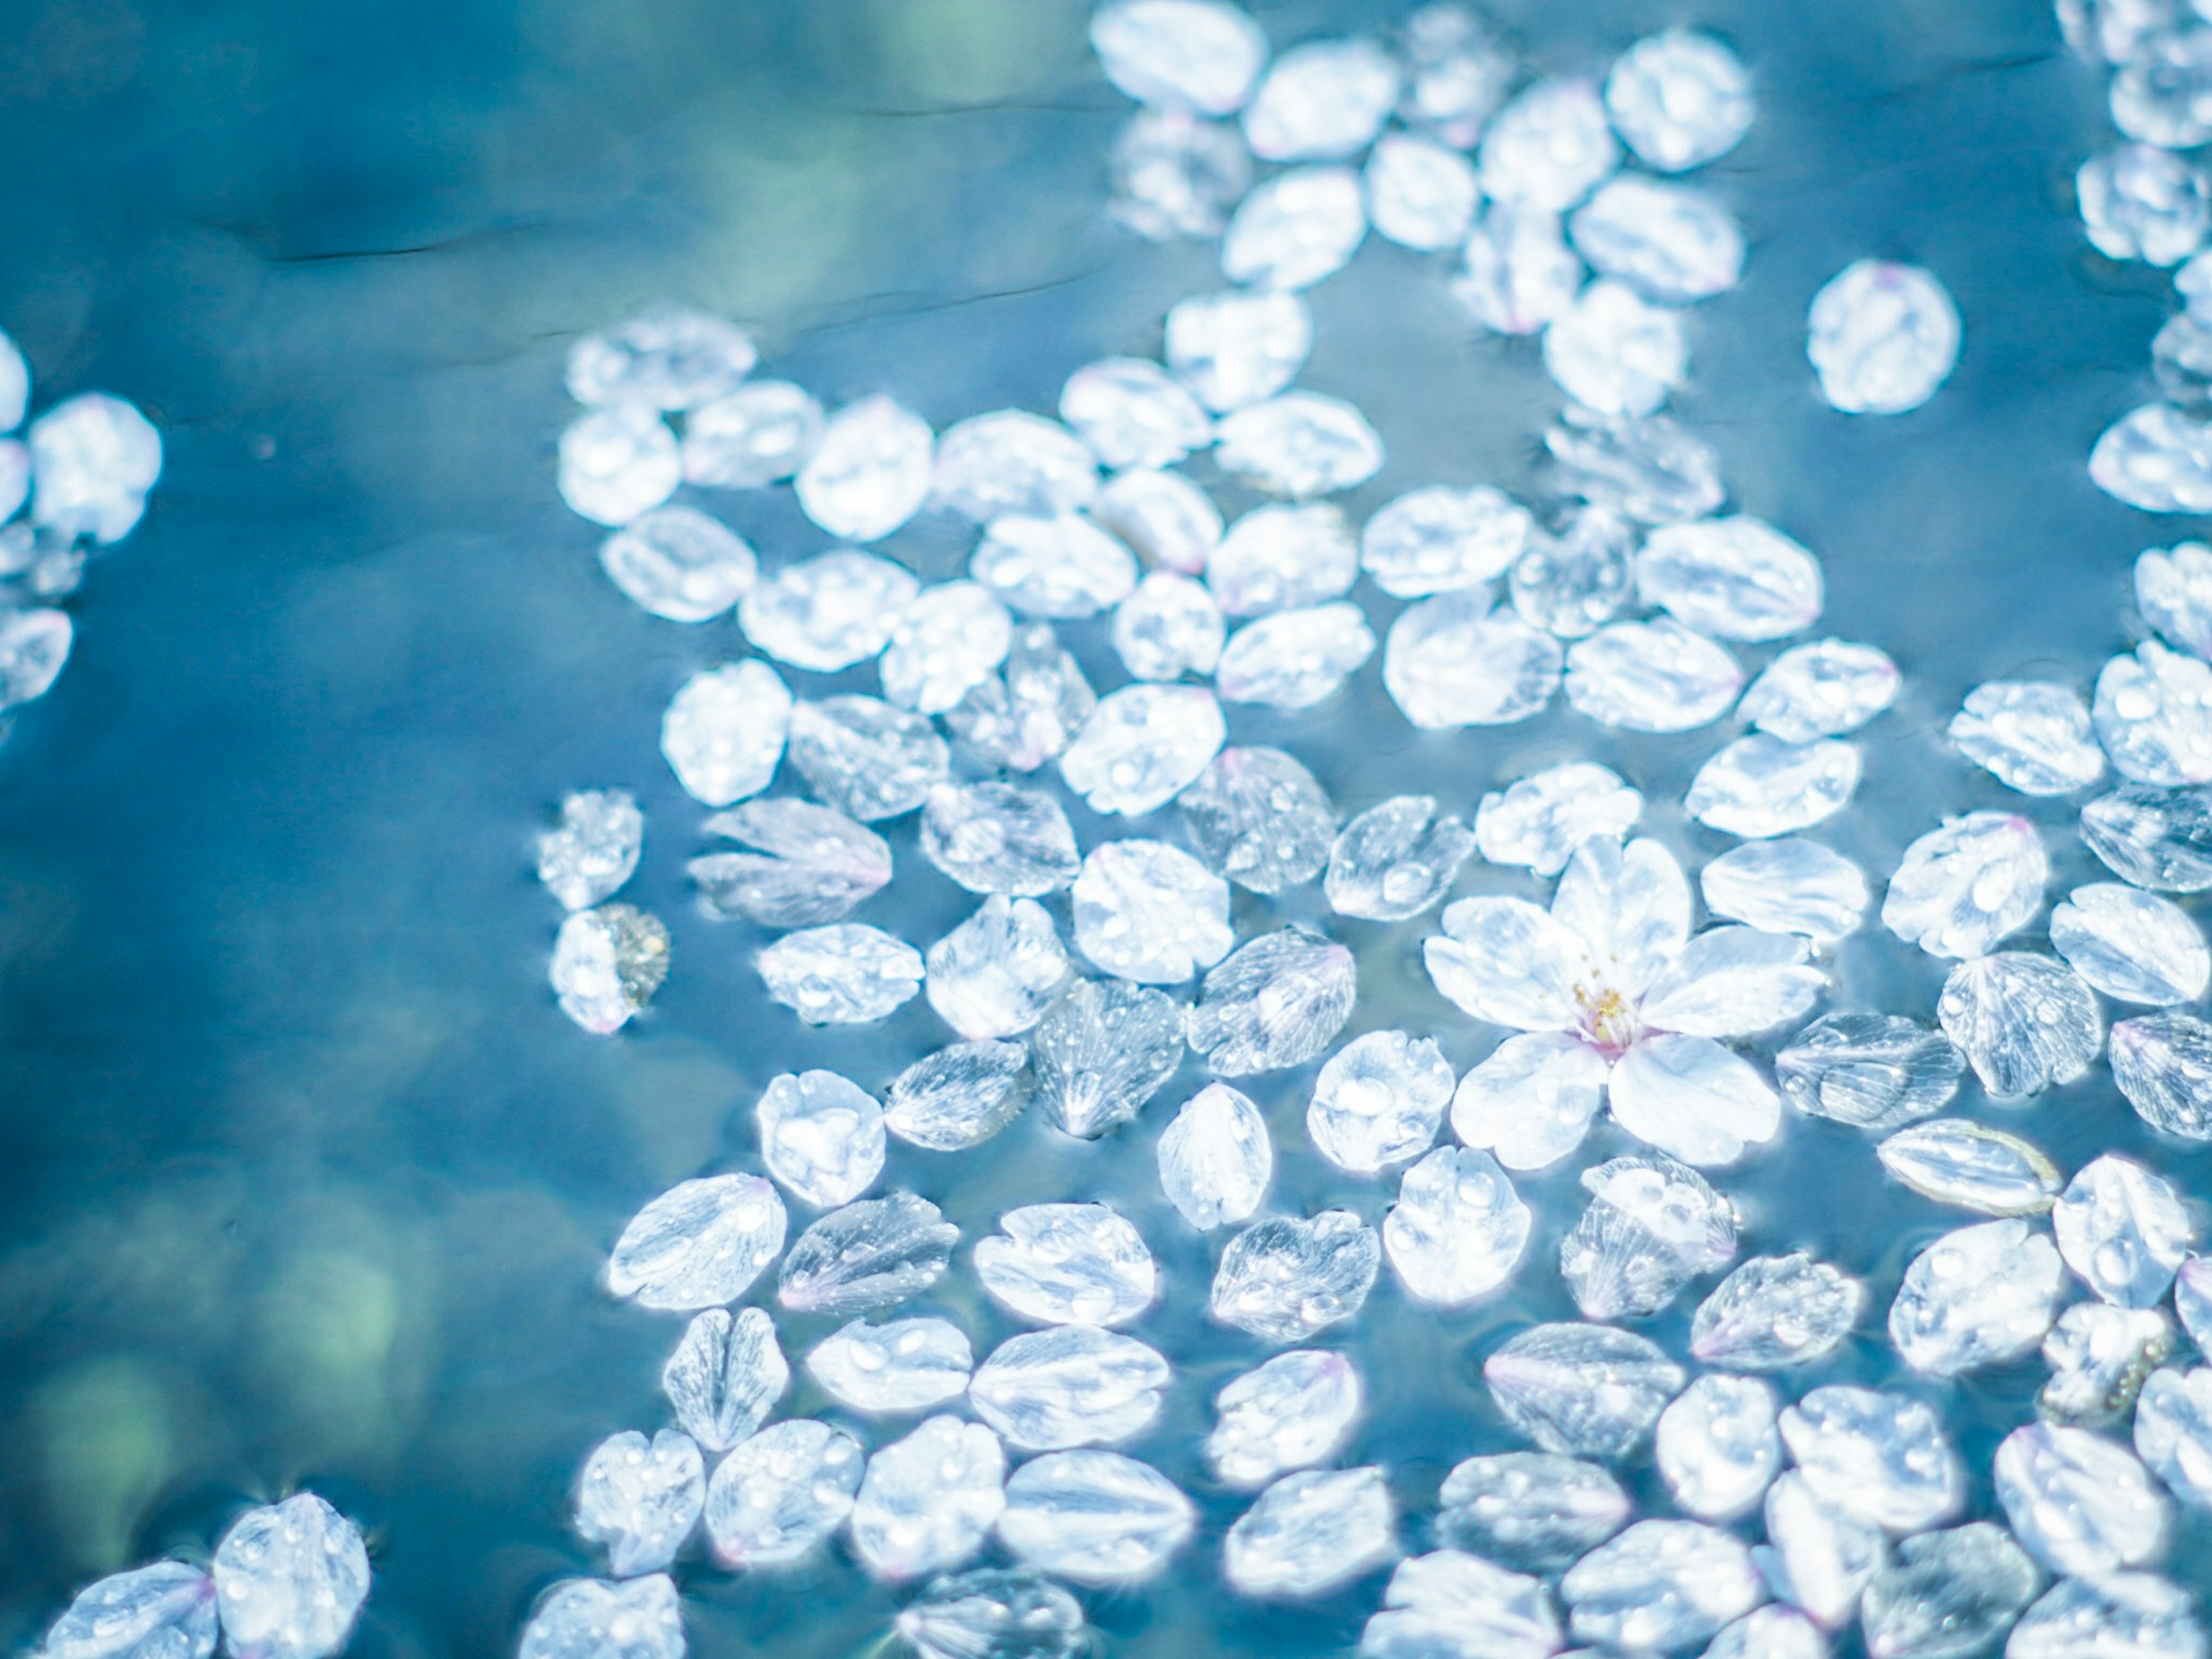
{"x":1608,"y":1019}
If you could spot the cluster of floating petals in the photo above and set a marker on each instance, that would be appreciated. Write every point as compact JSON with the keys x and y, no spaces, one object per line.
{"x":1155,"y":928}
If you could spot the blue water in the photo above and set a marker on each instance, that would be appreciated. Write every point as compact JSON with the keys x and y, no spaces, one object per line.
{"x":303,"y":1179}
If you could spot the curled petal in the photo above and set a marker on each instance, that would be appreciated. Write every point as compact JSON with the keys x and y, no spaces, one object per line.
{"x":1630,"y":903}
{"x":1505,"y":961}
{"x":1730,"y":982}
{"x":1689,"y":1097}
{"x":1531,"y":1102}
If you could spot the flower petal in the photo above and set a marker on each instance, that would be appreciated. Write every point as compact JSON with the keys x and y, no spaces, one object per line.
{"x":1689,"y":1097}
{"x":1506,"y":961}
{"x":1730,"y":982}
{"x":1631,"y":904}
{"x":1531,"y":1102}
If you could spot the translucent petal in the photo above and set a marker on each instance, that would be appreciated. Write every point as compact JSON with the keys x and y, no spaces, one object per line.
{"x":1095,"y":1517}
{"x":1274,"y":1002}
{"x":1671,"y":244}
{"x":1419,"y":193}
{"x":1458,"y":1229}
{"x":1774,"y":1312}
{"x":1978,"y":1297}
{"x":1534,"y":1511}
{"x":1690,"y":1097}
{"x":1954,"y":1160}
{"x":1300,"y":226}
{"x":2154,"y":715}
{"x":1735,"y":578}
{"x":1295,"y":659}
{"x":2027,"y":1021}
{"x":1680,"y":98}
{"x":1101,"y":1051}
{"x":2163,"y":1064}
{"x":676,"y":562}
{"x":814,"y":864}
{"x":1277,"y":556}
{"x":928,"y":1502}
{"x":1629,"y":905}
{"x":868,"y":1254}
{"x":1378,"y":1100}
{"x":1194,"y":53}
{"x":1395,"y":859}
{"x":1761,"y":786}
{"x":1878,"y":1457}
{"x":1541,"y":819}
{"x":1872,"y":1071}
{"x":1585,"y":1390}
{"x":958,"y":1097}
{"x":822,"y":1136}
{"x":1882,"y":337}
{"x":1068,"y":1264}
{"x":1788,"y":886}
{"x":1298,"y":444}
{"x":1531,"y":1102}
{"x":1961,"y":889}
{"x":843,"y":975}
{"x":2122,"y":1230}
{"x":724,"y":731}
{"x":700,"y":1243}
{"x":1012,"y":461}
{"x":829,"y":612}
{"x":1651,"y":677}
{"x":1548,"y":147}
{"x":1615,"y":353}
{"x":1309,"y":1532}
{"x":1000,"y":838}
{"x":1149,"y":912}
{"x":1322,"y":99}
{"x":1293,"y":1410}
{"x":1142,"y":746}
{"x":778,"y":1495}
{"x":1215,"y":1158}
{"x":1435,"y":539}
{"x":1452,"y":661}
{"x":1731,"y":982}
{"x":1505,"y":961}
{"x":1284,"y":1279}
{"x":1074,"y":1385}
{"x":870,"y":472}
{"x":2131,"y":945}
{"x":2032,"y":735}
{"x":1821,"y":689}
{"x":2080,"y":1503}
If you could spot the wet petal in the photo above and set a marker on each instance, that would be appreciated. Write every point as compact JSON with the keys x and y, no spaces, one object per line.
{"x":1505,"y":961}
{"x":1730,"y":982}
{"x":1689,"y":1097}
{"x":1531,"y":1102}
{"x":1631,"y":904}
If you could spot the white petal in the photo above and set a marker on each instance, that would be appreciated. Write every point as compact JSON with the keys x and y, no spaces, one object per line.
{"x":1631,"y":904}
{"x":1531,"y":1102}
{"x":1689,"y":1097}
{"x":1730,"y":982}
{"x":1505,"y":961}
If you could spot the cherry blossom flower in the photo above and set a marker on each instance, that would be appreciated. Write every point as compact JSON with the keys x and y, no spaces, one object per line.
{"x":1616,"y":1001}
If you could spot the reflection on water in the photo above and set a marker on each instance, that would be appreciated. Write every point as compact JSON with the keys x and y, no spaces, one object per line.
{"x":306,"y":1178}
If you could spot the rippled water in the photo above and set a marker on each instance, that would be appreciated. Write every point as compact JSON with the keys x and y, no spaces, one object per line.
{"x":306,"y":1179}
